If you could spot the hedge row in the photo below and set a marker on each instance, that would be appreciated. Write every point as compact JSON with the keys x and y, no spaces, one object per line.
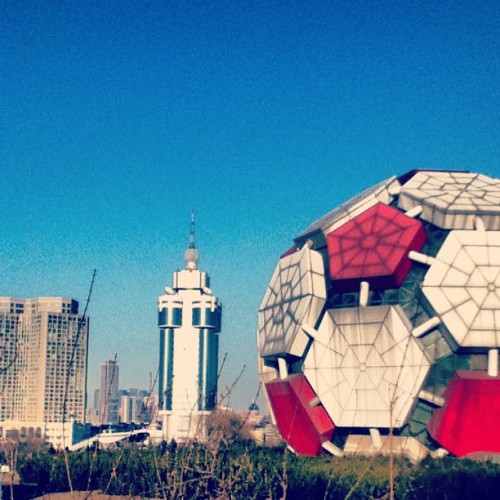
{"x":244,"y":470}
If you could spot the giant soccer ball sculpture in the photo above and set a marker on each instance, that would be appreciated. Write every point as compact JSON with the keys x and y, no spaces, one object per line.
{"x":380,"y":328}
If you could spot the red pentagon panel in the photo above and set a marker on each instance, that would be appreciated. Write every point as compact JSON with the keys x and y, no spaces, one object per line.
{"x":373,"y":247}
{"x":469,"y":421}
{"x":303,"y":427}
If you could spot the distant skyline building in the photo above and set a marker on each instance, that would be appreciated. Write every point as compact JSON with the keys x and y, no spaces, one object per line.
{"x":108,"y":392}
{"x":128,"y":409}
{"x":189,"y":319}
{"x":96,"y":400}
{"x":43,"y":361}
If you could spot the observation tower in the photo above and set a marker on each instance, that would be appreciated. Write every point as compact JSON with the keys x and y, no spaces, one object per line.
{"x":189,"y":319}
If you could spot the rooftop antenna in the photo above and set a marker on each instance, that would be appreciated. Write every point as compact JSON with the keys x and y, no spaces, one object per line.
{"x":191,"y":232}
{"x":191,"y":255}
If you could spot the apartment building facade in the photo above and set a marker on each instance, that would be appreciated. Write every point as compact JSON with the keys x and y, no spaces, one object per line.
{"x":43,"y":361}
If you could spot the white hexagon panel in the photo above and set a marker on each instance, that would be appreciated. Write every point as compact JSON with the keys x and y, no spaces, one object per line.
{"x":463,"y":286}
{"x":296,"y":295}
{"x":366,"y":367}
{"x":452,"y":200}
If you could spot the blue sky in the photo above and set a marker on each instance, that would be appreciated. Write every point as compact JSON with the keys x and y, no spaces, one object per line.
{"x":118,"y":118}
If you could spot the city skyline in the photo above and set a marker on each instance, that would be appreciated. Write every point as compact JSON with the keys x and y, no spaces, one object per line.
{"x":118,"y":119}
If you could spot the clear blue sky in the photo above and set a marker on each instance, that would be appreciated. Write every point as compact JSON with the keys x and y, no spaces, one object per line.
{"x":118,"y":118}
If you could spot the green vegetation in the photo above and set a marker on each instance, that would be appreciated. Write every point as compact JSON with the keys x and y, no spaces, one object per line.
{"x":244,"y":470}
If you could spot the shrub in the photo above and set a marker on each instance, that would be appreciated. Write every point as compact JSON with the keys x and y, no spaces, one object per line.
{"x":244,"y":470}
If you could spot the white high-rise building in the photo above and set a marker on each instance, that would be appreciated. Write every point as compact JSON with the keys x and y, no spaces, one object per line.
{"x":43,"y":362}
{"x":189,"y":318}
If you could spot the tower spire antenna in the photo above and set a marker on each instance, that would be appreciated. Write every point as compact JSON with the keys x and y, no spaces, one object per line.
{"x":191,"y":231}
{"x":191,"y":255}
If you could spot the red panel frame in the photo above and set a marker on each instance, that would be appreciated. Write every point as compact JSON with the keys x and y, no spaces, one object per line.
{"x":303,"y":427}
{"x":373,"y":247}
{"x":469,"y":421}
